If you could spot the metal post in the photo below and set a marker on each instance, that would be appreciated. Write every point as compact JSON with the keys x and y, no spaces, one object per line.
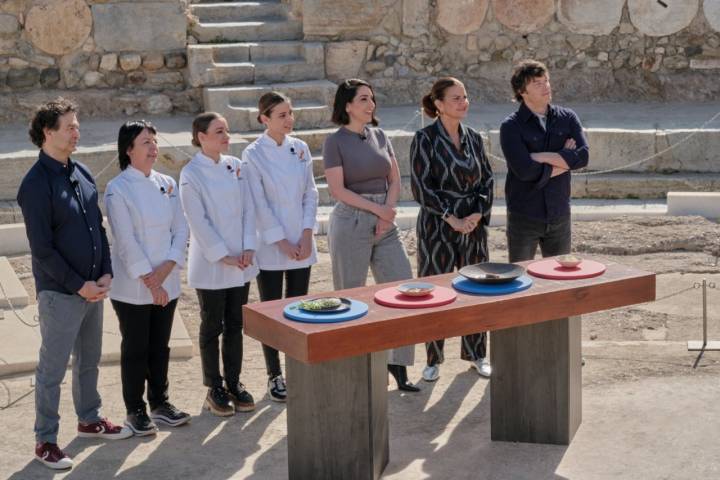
{"x":704,"y":345}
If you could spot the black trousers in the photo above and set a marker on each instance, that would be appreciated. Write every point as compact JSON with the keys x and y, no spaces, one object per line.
{"x":221,"y":313}
{"x":270,"y":285}
{"x":144,"y":352}
{"x":524,"y":234}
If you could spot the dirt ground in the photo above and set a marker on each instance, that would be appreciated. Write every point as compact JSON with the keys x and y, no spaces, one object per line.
{"x":680,"y":250}
{"x":664,"y":245}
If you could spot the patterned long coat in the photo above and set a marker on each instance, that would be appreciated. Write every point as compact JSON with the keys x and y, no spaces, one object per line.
{"x":448,"y":180}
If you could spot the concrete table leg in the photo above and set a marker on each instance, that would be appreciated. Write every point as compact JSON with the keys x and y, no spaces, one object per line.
{"x":535,"y":390}
{"x":337,"y":420}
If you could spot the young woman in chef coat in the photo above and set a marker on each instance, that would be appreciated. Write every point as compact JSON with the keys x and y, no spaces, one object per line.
{"x":280,"y":171}
{"x":221,"y":263}
{"x":148,"y":250}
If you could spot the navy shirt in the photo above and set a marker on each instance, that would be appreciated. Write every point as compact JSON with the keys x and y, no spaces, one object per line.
{"x":64,"y":225}
{"x":529,"y":190}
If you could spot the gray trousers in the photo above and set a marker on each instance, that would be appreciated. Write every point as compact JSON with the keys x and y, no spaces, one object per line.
{"x":354,"y":248}
{"x":68,"y":325}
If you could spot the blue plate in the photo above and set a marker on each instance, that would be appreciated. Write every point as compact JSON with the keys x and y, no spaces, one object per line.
{"x":294,"y":312}
{"x":464,"y":285}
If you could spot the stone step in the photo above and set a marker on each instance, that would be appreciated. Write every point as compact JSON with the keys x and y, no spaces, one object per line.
{"x":21,"y":354}
{"x":610,"y":186}
{"x":237,"y":11}
{"x":273,"y":29}
{"x":705,"y":204}
{"x":311,"y":102}
{"x":12,"y":292}
{"x":261,"y":62}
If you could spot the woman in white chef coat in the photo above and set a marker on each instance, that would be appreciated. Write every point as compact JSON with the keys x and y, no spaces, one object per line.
{"x":281,"y":178}
{"x":219,"y":209}
{"x":149,"y":239}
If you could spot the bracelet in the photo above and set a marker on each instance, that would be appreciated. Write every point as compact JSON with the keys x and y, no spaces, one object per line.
{"x":446,"y":214}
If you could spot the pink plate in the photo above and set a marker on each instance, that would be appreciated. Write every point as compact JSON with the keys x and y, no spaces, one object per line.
{"x":390,"y":297}
{"x":550,"y":268}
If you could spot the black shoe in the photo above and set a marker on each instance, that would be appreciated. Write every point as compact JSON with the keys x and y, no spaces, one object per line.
{"x":168,"y":414}
{"x":140,"y":424}
{"x":277,"y":389}
{"x":399,"y":372}
{"x":241,"y":398}
{"x":219,"y":403}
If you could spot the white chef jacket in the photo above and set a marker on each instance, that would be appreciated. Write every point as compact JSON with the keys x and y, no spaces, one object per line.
{"x":148,"y":228}
{"x":285,"y":197}
{"x":219,"y":209}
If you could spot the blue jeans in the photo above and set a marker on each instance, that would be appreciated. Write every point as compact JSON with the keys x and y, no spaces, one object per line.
{"x":68,"y":325}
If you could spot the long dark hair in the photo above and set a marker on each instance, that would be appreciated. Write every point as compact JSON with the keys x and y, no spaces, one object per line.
{"x":345,"y":94}
{"x":126,"y":137}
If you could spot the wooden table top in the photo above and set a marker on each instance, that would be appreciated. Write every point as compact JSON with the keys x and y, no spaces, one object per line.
{"x":384,"y":327}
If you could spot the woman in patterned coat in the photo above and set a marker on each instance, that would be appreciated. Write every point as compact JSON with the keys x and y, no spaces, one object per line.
{"x":453,"y":183}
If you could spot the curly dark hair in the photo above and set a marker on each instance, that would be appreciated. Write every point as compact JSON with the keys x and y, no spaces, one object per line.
{"x":48,"y":116}
{"x":523,"y":73}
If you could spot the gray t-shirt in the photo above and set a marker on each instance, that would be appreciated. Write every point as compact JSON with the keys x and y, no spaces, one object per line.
{"x":365,"y":158}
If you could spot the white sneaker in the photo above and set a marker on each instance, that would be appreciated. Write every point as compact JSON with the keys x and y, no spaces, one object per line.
{"x":431,"y":373}
{"x":482,"y":365}
{"x":277,"y":389}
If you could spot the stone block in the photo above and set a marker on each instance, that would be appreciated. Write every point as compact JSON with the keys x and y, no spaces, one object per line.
{"x":14,"y":62}
{"x":93,"y":79}
{"x":524,"y":16}
{"x":612,"y":148}
{"x":9,"y":25}
{"x":59,"y":27}
{"x":115,"y":79}
{"x":590,"y":17}
{"x":704,"y":204}
{"x":658,"y":19}
{"x":153,"y":61}
{"x":49,"y":77}
{"x":705,"y":63}
{"x":415,"y":17}
{"x":460,"y":17}
{"x":330,"y":17}
{"x":109,"y":62}
{"x":175,"y":60}
{"x":711,"y":9}
{"x":157,"y":104}
{"x":143,"y":26}
{"x":164,"y":79}
{"x":344,"y":59}
{"x":15,"y":292}
{"x":136,"y":78}
{"x":696,"y":153}
{"x":23,"y":77}
{"x":130,"y":61}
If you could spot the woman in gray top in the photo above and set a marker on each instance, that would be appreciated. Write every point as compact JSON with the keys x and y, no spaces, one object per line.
{"x":363,"y":176}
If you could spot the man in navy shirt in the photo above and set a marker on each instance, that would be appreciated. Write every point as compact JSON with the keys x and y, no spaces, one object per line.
{"x":71,"y":266}
{"x":542,"y":143}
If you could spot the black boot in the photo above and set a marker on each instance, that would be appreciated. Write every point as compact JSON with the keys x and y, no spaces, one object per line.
{"x":399,"y":372}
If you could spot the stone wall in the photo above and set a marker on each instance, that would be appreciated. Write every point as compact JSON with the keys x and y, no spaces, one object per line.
{"x":610,"y":50}
{"x":112,"y":56}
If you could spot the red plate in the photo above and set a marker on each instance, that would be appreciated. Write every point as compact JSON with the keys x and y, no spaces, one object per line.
{"x":390,"y":297}
{"x":550,"y":268}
